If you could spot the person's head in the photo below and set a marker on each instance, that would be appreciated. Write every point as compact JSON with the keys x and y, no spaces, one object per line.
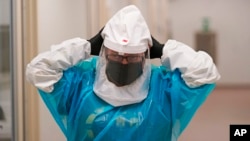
{"x":126,"y":39}
{"x":124,"y":68}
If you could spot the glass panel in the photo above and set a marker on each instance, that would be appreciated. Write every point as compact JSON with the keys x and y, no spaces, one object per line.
{"x":5,"y":77}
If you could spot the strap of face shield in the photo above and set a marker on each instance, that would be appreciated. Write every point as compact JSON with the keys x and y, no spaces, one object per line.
{"x":156,"y":49}
{"x":96,"y":43}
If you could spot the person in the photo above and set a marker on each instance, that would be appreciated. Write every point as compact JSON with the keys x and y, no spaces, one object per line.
{"x":105,"y":88}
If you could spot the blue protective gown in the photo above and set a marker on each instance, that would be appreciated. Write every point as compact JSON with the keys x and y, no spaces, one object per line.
{"x":162,"y":116}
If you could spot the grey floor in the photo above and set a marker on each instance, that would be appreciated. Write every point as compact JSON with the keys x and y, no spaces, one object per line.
{"x":223,"y":107}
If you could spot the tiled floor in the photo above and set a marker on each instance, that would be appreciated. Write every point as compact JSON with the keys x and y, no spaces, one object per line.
{"x":223,"y":107}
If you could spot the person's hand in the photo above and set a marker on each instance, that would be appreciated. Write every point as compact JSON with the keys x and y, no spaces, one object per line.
{"x":96,"y":43}
{"x":156,"y":49}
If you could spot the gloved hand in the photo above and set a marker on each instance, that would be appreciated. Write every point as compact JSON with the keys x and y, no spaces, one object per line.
{"x":96,"y":43}
{"x":156,"y":49}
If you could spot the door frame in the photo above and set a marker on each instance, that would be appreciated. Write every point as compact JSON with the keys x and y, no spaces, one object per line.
{"x":23,"y":49}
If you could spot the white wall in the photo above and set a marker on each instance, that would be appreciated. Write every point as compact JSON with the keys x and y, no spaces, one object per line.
{"x":230,"y":20}
{"x":58,"y":20}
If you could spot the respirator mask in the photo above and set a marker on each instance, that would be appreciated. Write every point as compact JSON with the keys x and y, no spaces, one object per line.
{"x":123,"y":69}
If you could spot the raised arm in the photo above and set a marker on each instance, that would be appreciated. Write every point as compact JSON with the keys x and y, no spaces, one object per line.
{"x":47,"y":68}
{"x":197,"y":68}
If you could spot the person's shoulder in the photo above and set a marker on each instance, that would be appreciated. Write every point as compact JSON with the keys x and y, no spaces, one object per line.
{"x":88,"y":64}
{"x":162,"y":72}
{"x":161,"y":69}
{"x":83,"y":71}
{"x":86,"y":67}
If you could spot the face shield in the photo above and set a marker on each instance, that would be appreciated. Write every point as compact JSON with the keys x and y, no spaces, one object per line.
{"x":122,"y":78}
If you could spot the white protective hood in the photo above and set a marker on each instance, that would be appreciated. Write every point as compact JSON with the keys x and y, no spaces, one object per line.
{"x":125,"y":32}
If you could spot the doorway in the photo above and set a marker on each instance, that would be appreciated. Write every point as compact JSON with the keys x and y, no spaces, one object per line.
{"x":6,"y":112}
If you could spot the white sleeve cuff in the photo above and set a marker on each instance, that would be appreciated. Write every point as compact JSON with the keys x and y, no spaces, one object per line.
{"x":197,"y":68}
{"x":46,"y":69}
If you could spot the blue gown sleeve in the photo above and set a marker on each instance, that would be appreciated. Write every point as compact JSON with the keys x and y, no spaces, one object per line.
{"x":64,"y":99}
{"x":180,"y":101}
{"x":185,"y":102}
